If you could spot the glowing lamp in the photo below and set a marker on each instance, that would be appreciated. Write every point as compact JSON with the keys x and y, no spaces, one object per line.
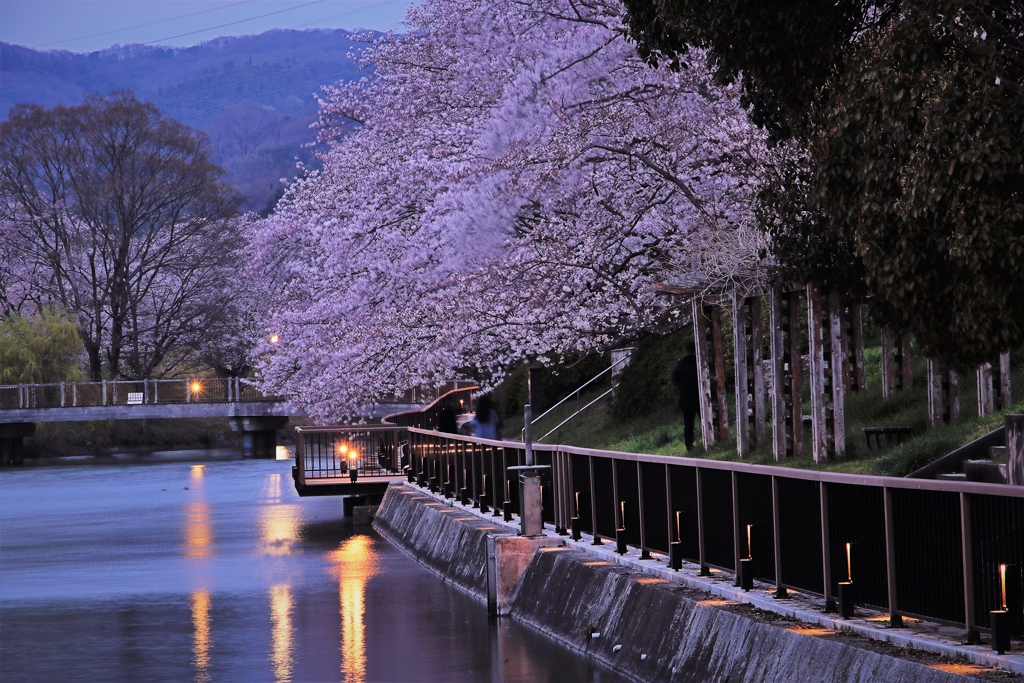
{"x":196,"y":387}
{"x":274,"y":339}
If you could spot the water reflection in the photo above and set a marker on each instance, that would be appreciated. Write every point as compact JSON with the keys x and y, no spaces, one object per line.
{"x":198,"y":530}
{"x":281,"y":633}
{"x":355,"y":562}
{"x":278,"y":522}
{"x":201,"y":635}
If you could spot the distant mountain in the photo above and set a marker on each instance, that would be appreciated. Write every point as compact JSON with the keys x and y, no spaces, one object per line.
{"x":253,"y":95}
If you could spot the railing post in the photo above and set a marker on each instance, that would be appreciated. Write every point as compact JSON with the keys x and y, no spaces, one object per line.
{"x":74,"y":394}
{"x":704,"y":571}
{"x":593,"y":502}
{"x":300,"y":457}
{"x":826,"y":555}
{"x":145,"y":391}
{"x":156,"y":391}
{"x":736,"y":552}
{"x":188,"y":391}
{"x":62,"y":394}
{"x":780,"y":590}
{"x":615,"y":497}
{"x":104,"y":392}
{"x":21,"y":396}
{"x":645,"y":554}
{"x":668,"y":507}
{"x":895,"y":618}
{"x":973,"y":636}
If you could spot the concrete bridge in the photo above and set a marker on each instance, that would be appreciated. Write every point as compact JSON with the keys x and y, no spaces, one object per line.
{"x":256,"y":415}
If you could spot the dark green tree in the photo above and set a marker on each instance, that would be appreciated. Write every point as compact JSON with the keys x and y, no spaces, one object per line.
{"x":909,"y":124}
{"x":918,"y":159}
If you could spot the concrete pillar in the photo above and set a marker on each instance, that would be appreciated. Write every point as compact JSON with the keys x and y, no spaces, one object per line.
{"x":12,"y":442}
{"x":1014,"y":449}
{"x":259,"y":435}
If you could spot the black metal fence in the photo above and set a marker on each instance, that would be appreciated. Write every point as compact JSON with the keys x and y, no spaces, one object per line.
{"x":369,"y":451}
{"x":458,"y":400}
{"x":919,"y":548}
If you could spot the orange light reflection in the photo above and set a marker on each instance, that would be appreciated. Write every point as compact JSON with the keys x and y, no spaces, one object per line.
{"x":201,"y":635}
{"x":281,"y":633}
{"x":355,"y":562}
{"x":198,"y":530}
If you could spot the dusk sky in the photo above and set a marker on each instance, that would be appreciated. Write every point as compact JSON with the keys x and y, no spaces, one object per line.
{"x":88,"y":25}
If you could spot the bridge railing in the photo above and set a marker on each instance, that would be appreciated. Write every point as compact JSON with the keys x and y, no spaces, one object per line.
{"x":459,"y":400}
{"x":129,"y":392}
{"x":917,"y":548}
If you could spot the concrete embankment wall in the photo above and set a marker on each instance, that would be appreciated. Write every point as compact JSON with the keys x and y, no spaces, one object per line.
{"x":647,"y":628}
{"x":655,"y":630}
{"x":447,"y":541}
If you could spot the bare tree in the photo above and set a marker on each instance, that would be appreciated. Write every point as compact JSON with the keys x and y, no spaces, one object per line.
{"x":116,"y":214}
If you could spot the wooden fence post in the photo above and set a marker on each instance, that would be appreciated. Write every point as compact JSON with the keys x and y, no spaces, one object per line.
{"x":986,"y":399}
{"x":934,"y":393}
{"x":905,"y":380}
{"x":795,"y":384}
{"x":858,"y":379}
{"x":1001,"y":382}
{"x":819,"y":432}
{"x":840,"y":376}
{"x":700,"y":340}
{"x":776,"y":342}
{"x":755,"y":355}
{"x":888,"y":365}
{"x":740,"y":321}
{"x":721,"y":401}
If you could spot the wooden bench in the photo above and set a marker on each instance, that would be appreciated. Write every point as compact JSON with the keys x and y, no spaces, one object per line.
{"x":883,"y":433}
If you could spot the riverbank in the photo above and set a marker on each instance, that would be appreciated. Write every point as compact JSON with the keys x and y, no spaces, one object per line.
{"x":105,"y":437}
{"x":652,"y":624}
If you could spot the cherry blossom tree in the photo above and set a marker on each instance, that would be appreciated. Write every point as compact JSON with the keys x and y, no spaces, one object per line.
{"x":510,"y":182}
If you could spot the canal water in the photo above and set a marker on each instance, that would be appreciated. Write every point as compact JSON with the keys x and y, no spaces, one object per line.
{"x":215,"y":570}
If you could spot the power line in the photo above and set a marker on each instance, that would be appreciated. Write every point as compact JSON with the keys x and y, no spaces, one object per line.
{"x":233,"y":23}
{"x":345,"y":14}
{"x":150,"y":23}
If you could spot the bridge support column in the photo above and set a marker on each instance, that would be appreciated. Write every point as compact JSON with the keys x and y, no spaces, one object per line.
{"x":259,"y":435}
{"x":12,"y":442}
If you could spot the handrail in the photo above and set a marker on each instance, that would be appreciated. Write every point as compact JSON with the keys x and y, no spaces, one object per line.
{"x":578,"y":390}
{"x":575,"y":414}
{"x":577,"y":395}
{"x":803,"y":521}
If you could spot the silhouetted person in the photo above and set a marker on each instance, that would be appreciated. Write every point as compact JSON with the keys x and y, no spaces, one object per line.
{"x":684,"y":377}
{"x":487,"y":423}
{"x":446,"y":421}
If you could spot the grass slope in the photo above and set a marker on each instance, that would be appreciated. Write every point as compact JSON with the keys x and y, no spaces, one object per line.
{"x":659,"y":430}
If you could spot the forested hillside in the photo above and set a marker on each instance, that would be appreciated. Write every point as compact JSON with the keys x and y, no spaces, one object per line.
{"x":253,"y":95}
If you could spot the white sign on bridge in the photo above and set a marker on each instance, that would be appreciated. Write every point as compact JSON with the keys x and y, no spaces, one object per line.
{"x":135,"y":398}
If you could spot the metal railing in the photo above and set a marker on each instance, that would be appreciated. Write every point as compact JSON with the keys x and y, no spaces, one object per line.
{"x":919,"y":548}
{"x":459,"y":401}
{"x":369,"y":451}
{"x":576,"y":394}
{"x":129,"y":392}
{"x":355,"y":453}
